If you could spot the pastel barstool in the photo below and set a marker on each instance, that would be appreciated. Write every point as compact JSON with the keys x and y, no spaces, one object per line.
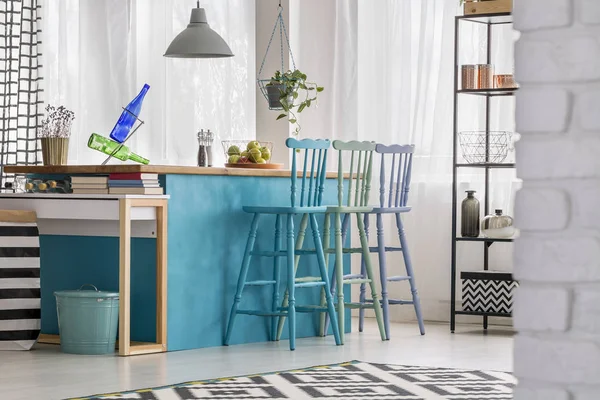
{"x":310,"y":198}
{"x":351,"y":201}
{"x":393,"y":200}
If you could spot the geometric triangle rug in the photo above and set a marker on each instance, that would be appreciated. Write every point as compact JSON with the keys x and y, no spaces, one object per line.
{"x":346,"y":381}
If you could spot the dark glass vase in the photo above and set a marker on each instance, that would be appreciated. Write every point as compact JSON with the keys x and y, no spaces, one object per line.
{"x":469,"y":224}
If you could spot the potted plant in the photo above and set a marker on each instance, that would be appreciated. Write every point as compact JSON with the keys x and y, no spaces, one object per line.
{"x":284,"y":91}
{"x":54,"y":135}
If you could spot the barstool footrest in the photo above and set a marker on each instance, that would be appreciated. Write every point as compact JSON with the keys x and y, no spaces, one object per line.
{"x":358,"y":305}
{"x":393,"y":301}
{"x":259,"y":283}
{"x":356,"y":281}
{"x":281,"y":253}
{"x":262,"y":313}
{"x":309,"y":284}
{"x":398,"y":278}
{"x":306,"y":309}
{"x":358,"y":250}
{"x":308,"y":279}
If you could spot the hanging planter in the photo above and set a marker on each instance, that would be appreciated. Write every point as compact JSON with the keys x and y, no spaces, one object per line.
{"x":288,"y":91}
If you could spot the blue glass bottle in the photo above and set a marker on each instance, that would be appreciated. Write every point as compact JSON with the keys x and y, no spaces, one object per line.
{"x":126,"y":120}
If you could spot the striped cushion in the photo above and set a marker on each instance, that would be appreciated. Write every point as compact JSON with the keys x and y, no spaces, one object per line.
{"x":19,"y":285}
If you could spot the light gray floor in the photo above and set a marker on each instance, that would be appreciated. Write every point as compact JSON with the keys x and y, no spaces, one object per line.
{"x":46,"y":374}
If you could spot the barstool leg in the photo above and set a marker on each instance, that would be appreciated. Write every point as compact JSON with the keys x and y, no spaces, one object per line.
{"x":276,"y":277}
{"x":363,"y":286}
{"x":299,"y":244}
{"x":323,"y":269}
{"x":410,"y":272}
{"x":242,"y":277}
{"x":383,"y":275}
{"x":334,"y":278}
{"x":366,"y":253}
{"x":324,"y":317}
{"x":291,"y":281}
{"x":339,"y":272}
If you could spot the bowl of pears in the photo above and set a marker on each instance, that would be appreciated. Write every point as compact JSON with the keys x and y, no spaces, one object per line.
{"x":249,"y":154}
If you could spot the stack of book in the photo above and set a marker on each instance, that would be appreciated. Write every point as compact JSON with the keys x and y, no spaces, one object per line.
{"x":89,"y":184}
{"x":135,"y":183}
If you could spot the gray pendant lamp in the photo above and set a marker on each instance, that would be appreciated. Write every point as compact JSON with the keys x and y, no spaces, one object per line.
{"x":198,"y":40}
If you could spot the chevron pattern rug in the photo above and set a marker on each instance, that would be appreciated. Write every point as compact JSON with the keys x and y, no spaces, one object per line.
{"x":347,"y":381}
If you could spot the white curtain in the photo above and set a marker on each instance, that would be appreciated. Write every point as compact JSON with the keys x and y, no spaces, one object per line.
{"x":99,"y":54}
{"x":387,"y":68}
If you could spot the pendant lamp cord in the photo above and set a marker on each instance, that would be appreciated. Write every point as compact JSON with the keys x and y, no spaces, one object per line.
{"x":198,"y":4}
{"x":279,"y":3}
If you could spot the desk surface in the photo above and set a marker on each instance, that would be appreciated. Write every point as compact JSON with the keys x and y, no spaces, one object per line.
{"x":153,"y":169}
{"x":82,"y":196}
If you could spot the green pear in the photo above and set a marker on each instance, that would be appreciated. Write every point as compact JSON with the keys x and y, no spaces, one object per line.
{"x":254,"y":154}
{"x":265,"y":153}
{"x":233,"y":150}
{"x":253,"y":145}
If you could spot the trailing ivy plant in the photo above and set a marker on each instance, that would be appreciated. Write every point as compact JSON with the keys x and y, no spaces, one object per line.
{"x":295,"y":94}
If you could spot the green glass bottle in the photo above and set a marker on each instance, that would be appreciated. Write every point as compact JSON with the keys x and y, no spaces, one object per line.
{"x":107,"y":146}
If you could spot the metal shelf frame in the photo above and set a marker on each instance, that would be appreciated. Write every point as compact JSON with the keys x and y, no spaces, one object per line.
{"x":490,"y":20}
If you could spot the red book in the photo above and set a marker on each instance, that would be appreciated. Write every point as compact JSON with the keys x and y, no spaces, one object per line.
{"x":135,"y":176}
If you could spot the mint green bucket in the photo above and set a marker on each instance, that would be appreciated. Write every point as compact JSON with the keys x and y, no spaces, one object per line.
{"x":87,"y":320}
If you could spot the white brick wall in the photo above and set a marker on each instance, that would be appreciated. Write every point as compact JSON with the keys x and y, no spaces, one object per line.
{"x":557,"y":258}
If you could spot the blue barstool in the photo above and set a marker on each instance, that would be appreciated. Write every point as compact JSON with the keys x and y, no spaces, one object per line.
{"x":311,"y":194}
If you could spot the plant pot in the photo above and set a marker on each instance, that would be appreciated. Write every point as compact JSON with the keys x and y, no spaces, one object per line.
{"x":273,"y":93}
{"x":55,"y":151}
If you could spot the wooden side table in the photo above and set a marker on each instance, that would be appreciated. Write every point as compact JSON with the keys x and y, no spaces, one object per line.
{"x":126,"y":347}
{"x":86,"y":214}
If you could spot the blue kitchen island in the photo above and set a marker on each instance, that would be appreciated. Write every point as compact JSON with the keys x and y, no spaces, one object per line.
{"x":206,"y":234}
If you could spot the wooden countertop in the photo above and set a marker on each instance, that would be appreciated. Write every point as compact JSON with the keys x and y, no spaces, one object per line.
{"x":153,"y":169}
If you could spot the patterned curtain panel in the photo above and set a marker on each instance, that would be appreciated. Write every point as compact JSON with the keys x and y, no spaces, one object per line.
{"x":21,"y":107}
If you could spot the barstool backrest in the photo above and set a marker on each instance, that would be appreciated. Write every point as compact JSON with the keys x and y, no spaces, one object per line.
{"x":399,"y":180}
{"x":359,"y":175}
{"x":316,"y":151}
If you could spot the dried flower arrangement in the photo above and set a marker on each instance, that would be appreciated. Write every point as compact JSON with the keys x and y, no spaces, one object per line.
{"x":57,"y":123}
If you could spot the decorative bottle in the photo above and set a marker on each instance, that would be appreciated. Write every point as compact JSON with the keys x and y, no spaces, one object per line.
{"x":498,"y":226}
{"x":108,"y":146}
{"x":128,"y":117}
{"x":469,"y":226}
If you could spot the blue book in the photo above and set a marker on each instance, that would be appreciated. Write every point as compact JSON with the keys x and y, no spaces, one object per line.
{"x":133,"y":183}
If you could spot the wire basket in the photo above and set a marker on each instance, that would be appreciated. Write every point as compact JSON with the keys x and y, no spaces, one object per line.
{"x":247,"y":151}
{"x":473,"y":146}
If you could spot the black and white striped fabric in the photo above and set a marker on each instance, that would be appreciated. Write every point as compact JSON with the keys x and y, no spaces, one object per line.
{"x":19,"y":285}
{"x":21,"y":103}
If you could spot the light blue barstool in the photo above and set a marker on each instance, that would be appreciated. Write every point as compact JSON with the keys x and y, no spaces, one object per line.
{"x":311,"y":194}
{"x":393,"y":200}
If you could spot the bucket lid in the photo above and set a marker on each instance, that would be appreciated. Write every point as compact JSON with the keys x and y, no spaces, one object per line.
{"x":94,"y":294}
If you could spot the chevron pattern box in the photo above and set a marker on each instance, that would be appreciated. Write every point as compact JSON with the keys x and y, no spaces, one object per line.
{"x":487,"y":291}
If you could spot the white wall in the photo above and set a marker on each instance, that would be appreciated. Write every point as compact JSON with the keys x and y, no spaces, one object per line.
{"x":557,"y":260}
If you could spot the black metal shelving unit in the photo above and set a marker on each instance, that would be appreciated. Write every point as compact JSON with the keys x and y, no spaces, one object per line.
{"x":490,"y":20}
